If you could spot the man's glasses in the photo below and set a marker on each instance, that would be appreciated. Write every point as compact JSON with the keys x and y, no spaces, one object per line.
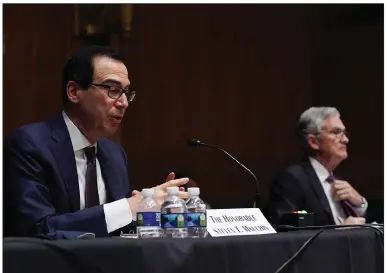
{"x":115,"y":92}
{"x":338,"y":133}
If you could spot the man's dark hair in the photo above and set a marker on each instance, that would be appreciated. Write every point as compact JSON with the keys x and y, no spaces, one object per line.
{"x":80,"y":67}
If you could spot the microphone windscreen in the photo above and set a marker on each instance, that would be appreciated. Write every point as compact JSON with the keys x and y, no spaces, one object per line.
{"x":193,"y":142}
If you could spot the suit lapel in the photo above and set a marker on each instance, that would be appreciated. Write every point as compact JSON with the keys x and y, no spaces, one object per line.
{"x":109,"y":170}
{"x":317,"y":188}
{"x":65,"y":159}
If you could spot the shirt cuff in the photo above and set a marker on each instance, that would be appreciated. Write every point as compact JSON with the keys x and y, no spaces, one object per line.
{"x":362,"y":210}
{"x":117,"y":214}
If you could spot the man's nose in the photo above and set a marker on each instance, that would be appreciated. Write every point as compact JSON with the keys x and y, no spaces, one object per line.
{"x":122,"y":101}
{"x":344,"y":138}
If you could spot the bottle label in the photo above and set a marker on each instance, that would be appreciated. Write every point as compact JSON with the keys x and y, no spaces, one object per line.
{"x":196,"y":219}
{"x":174,"y":220}
{"x":148,"y":219}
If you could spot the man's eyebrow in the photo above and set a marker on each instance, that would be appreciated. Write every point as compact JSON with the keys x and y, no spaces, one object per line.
{"x":111,"y":81}
{"x":115,"y":82}
{"x":338,"y":128}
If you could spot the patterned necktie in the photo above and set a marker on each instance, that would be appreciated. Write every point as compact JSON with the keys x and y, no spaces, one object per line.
{"x":91,"y":196}
{"x":346,"y":205}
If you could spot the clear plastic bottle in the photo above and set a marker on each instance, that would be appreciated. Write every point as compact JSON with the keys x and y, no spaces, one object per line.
{"x":196,"y":215}
{"x":148,"y":216}
{"x":173,"y":215}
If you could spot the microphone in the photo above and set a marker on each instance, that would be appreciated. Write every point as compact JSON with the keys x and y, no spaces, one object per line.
{"x":193,"y":142}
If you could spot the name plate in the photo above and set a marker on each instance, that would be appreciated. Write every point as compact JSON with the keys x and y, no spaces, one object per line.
{"x":232,"y":222}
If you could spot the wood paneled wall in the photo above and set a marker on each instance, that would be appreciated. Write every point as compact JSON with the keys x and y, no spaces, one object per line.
{"x":36,"y":46}
{"x":349,"y":74}
{"x":235,"y":76}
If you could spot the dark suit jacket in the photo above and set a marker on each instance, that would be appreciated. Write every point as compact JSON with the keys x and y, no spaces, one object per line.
{"x":41,"y":182}
{"x":298,"y":188}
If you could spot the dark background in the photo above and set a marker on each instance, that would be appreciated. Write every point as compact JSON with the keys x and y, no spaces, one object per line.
{"x":236,"y":76}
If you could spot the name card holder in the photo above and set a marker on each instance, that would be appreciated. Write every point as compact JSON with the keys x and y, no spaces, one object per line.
{"x":234,"y":222}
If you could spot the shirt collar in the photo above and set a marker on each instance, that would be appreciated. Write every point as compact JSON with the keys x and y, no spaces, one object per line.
{"x":78,"y":140}
{"x":321,"y":171}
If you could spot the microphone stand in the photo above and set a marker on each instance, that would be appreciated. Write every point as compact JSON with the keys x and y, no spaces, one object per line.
{"x":257,"y":199}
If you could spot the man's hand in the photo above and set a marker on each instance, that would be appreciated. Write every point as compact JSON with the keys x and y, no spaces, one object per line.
{"x":161,"y":190}
{"x":133,"y":204}
{"x":342,"y":190}
{"x":354,"y":221}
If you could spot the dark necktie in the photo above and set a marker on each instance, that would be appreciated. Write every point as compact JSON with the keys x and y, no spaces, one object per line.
{"x":346,"y":205}
{"x":91,"y":195}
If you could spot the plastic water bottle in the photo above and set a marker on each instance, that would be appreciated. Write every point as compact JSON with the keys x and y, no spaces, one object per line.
{"x":173,"y":215}
{"x":196,"y":215}
{"x":148,"y":216}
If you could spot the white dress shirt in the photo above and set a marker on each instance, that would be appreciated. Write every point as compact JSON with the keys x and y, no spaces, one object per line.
{"x":117,"y":213}
{"x":336,"y":208}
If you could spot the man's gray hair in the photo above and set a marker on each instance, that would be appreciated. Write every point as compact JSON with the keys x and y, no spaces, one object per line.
{"x":311,"y":121}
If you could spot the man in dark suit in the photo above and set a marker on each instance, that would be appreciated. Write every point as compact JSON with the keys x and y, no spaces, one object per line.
{"x":62,"y":176}
{"x":310,"y":185}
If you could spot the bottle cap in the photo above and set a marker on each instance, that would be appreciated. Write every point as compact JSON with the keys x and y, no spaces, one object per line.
{"x":194,"y":191}
{"x":172,"y":190}
{"x":147,"y":192}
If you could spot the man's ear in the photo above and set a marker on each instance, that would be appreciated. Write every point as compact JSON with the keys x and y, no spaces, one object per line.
{"x":73,"y":92}
{"x":313,"y":142}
